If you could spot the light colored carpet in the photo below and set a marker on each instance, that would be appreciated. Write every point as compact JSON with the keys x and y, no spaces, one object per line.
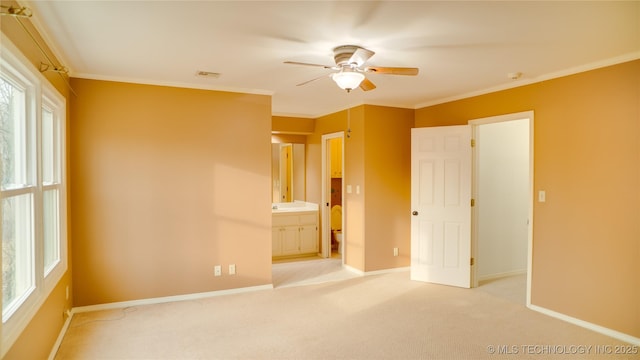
{"x":383,"y":316}
{"x":309,"y":272}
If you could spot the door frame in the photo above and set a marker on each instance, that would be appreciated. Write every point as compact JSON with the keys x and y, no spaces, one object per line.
{"x":326,"y":195}
{"x":474,"y":191}
{"x":286,"y":172}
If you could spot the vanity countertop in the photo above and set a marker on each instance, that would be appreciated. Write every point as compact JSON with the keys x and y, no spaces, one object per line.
{"x":296,"y":206}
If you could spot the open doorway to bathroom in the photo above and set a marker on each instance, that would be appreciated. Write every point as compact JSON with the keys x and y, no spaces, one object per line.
{"x":328,"y":264}
{"x":333,"y":230}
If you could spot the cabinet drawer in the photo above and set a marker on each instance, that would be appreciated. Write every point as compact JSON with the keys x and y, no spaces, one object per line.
{"x":281,"y":220}
{"x":308,"y":219}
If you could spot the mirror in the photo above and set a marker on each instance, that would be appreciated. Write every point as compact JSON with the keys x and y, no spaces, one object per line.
{"x":287,"y":172}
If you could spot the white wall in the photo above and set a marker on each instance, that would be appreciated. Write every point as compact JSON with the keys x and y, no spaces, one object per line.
{"x":502,"y":199}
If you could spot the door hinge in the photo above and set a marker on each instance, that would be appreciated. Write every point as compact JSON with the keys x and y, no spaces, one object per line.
{"x":473,"y":261}
{"x":473,"y":202}
{"x":473,"y":142}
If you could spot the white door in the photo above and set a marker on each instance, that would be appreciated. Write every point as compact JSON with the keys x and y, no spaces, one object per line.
{"x":441,"y":205}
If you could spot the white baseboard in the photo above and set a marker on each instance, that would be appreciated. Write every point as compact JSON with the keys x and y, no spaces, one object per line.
{"x":151,"y":301}
{"x":353,"y":270}
{"x":375,"y":272}
{"x":587,"y":325}
{"x":387,"y":271}
{"x":63,"y":331}
{"x":166,"y":299}
{"x":501,"y":275}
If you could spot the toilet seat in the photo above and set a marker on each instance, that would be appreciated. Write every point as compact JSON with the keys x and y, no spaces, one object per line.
{"x":336,"y":226}
{"x":336,"y":217}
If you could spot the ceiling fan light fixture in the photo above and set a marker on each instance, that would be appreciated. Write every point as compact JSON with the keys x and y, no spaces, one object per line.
{"x":348,"y":80}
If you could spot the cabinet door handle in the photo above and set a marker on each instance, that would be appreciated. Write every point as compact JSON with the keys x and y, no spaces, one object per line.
{"x":414,"y":213}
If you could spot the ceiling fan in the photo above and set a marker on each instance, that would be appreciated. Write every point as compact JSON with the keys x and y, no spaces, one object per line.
{"x":350,"y":71}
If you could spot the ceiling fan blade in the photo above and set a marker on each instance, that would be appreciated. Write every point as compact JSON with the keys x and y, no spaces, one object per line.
{"x":314,"y":79}
{"x":367,"y":85}
{"x":360,"y":56}
{"x":308,"y":64}
{"x":391,"y":70}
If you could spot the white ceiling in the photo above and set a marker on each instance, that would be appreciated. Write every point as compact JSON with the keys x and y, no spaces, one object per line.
{"x":461,"y":48}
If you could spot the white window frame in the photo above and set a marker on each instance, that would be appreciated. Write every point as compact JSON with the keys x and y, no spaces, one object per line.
{"x":39,"y":93}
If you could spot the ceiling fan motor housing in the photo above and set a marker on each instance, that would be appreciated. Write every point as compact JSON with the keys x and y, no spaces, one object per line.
{"x":342,"y":54}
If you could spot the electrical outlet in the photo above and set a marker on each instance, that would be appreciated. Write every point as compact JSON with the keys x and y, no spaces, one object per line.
{"x":232,"y":269}
{"x":395,"y":251}
{"x":217,"y":270}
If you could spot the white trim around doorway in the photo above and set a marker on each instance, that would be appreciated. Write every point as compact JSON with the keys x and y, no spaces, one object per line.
{"x":326,"y":195}
{"x":490,"y":120}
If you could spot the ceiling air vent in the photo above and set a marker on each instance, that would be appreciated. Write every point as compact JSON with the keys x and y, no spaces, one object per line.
{"x":207,"y":74}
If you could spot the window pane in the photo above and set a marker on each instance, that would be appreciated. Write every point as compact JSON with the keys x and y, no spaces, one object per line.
{"x":48,"y":147}
{"x":51,"y":230}
{"x":13,"y":135}
{"x":17,"y":251}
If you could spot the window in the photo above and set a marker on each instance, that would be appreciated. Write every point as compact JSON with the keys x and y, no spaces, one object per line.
{"x":32,"y":190}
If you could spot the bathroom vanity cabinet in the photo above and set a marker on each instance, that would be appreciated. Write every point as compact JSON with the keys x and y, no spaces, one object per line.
{"x":294,"y":233}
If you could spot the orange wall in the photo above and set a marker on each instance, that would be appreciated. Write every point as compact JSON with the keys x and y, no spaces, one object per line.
{"x":292,"y":125}
{"x":387,"y":160}
{"x":354,"y":208}
{"x":288,"y":138}
{"x":586,"y":236}
{"x":165,"y":186}
{"x":353,"y":174}
{"x":377,"y":159}
{"x":39,"y":336}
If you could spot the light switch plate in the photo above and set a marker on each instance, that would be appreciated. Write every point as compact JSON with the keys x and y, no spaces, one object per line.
{"x":542,"y":196}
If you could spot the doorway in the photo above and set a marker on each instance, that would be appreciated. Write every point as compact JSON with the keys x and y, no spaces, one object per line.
{"x":449,"y":232}
{"x":333,"y":229}
{"x":503,"y":192}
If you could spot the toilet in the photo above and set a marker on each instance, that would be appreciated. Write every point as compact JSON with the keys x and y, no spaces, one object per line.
{"x":336,"y":225}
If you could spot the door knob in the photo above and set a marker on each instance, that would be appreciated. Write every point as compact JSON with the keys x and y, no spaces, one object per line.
{"x":415,"y":213}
